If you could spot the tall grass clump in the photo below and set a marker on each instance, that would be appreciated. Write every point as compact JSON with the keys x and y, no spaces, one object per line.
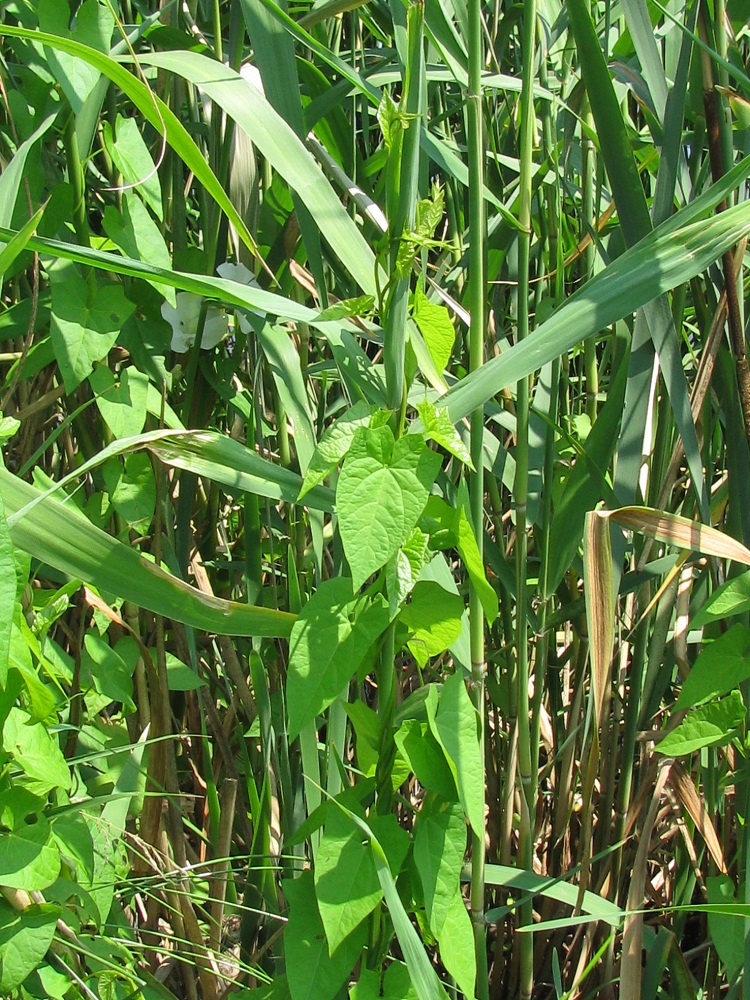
{"x":375,"y":500}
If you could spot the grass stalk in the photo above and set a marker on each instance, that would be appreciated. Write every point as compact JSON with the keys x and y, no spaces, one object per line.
{"x":717,"y":128}
{"x":555,"y":257}
{"x":588,"y":184}
{"x":477,"y":309}
{"x":220,"y":875}
{"x":386,"y":707}
{"x":525,"y":763}
{"x":406,"y":166}
{"x":77,"y":181}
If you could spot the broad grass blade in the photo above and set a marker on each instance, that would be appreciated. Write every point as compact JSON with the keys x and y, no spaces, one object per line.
{"x":614,"y":141}
{"x":209,"y":454}
{"x":665,"y":258}
{"x":222,"y":289}
{"x":283,"y":149}
{"x":59,"y":536}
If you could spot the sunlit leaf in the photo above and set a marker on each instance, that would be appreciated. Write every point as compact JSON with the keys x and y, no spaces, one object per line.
{"x":381,"y":492}
{"x":439,"y":848}
{"x":311,"y":972}
{"x":55,"y":534}
{"x":723,"y":664}
{"x":713,"y":724}
{"x":25,"y":938}
{"x":455,"y":726}
{"x":334,"y":634}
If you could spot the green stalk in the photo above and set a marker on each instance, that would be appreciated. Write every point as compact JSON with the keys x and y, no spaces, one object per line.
{"x":308,"y":745}
{"x":477,"y":308}
{"x":336,"y":740}
{"x":555,"y":257}
{"x":252,"y":524}
{"x":406,"y":169}
{"x":744,"y":892}
{"x":588,"y":183}
{"x":77,"y":182}
{"x":217,"y":31}
{"x":188,"y":481}
{"x":525,"y":769}
{"x":720,"y":39}
{"x":386,"y":709}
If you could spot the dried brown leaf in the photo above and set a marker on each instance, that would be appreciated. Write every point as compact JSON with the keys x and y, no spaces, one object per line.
{"x":673,"y":529}
{"x":694,"y":805}
{"x":599,"y":588}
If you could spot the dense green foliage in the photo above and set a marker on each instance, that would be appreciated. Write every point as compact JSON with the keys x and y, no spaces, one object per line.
{"x":374,"y":499}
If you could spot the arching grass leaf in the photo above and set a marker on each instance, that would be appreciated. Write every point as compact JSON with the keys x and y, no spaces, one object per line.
{"x":56,"y":534}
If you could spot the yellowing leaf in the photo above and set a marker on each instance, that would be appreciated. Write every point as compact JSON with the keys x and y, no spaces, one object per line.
{"x":600,"y":602}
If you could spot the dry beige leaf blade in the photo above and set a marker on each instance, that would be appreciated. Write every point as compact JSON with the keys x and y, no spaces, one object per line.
{"x":631,"y":970}
{"x":599,"y":589}
{"x":674,"y":529}
{"x":694,"y":805}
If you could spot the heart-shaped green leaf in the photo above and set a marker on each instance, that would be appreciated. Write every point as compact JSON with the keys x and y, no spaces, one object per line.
{"x":331,"y":638}
{"x":86,"y":321}
{"x":382,"y":490}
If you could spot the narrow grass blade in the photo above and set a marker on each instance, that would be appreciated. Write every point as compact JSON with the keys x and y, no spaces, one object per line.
{"x":12,"y":174}
{"x":274,"y":54}
{"x":284,"y":363}
{"x":283,"y":149}
{"x":403,"y":168}
{"x":19,"y":242}
{"x":7,"y":594}
{"x":562,"y":892}
{"x":696,"y":808}
{"x":629,"y":197}
{"x":599,"y":587}
{"x":327,"y":55}
{"x":154,"y":110}
{"x":221,"y":289}
{"x":642,"y":33}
